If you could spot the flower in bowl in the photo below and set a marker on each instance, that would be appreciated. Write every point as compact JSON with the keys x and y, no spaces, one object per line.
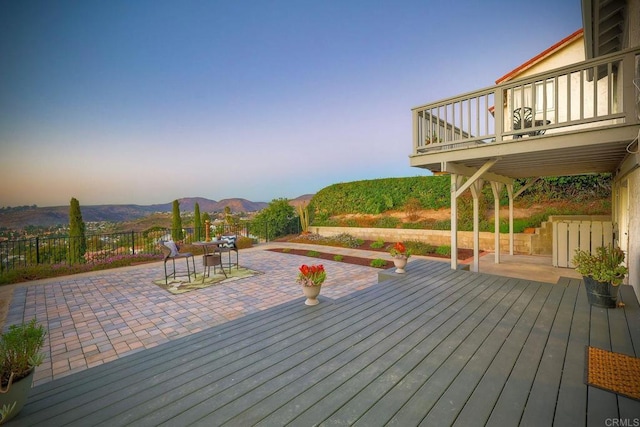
{"x":311,"y":275}
{"x":400,"y":251}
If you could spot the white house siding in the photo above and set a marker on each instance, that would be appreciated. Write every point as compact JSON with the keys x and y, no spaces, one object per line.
{"x":634,"y":230}
{"x":626,"y":216}
{"x":569,"y":54}
{"x":633,"y":161}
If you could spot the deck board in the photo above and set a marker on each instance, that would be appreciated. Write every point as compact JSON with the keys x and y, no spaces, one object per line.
{"x":342,"y":385}
{"x":571,"y":405}
{"x":406,"y":376}
{"x":629,"y":344}
{"x":540,"y":407}
{"x":433,"y":395}
{"x":355,"y":345}
{"x":513,"y":397}
{"x":434,"y":346}
{"x":458,"y":393}
{"x":599,"y":401}
{"x":632,"y":314}
{"x":366,"y":365}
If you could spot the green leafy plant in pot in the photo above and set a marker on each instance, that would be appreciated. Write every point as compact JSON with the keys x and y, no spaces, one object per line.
{"x":603,"y":273}
{"x":19,"y":355}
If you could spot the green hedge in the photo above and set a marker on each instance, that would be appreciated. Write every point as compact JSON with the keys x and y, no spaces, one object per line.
{"x":380,"y":195}
{"x":377,"y":196}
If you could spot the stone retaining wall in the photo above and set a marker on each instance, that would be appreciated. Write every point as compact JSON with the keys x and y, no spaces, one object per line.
{"x":538,"y":243}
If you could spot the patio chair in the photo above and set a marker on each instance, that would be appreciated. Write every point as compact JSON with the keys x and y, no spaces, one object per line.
{"x":171,"y":253}
{"x":523,"y":118}
{"x":229,"y":246}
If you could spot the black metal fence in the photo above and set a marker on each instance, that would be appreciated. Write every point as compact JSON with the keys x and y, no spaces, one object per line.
{"x":101,"y":247}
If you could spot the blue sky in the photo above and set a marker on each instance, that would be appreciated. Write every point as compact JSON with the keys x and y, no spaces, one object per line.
{"x":117,"y":102}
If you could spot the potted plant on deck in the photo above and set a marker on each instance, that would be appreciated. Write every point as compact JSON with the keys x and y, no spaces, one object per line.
{"x":311,"y":278}
{"x":400,"y":255}
{"x":603,"y":272}
{"x":19,"y":355}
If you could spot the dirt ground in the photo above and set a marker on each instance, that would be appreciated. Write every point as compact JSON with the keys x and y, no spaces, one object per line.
{"x":463,"y":254}
{"x":328,"y":256}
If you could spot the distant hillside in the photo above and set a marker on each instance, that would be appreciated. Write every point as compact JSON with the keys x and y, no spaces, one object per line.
{"x":17,"y":218}
{"x":236,"y":205}
{"x":301,"y":200}
{"x":56,"y":215}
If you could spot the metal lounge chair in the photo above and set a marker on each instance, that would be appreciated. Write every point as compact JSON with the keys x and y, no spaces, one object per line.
{"x":523,"y":118}
{"x":171,"y":253}
{"x":229,"y":246}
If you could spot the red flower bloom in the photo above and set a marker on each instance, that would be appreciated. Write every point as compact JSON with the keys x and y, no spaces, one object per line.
{"x":312,"y":275}
{"x":399,"y":250}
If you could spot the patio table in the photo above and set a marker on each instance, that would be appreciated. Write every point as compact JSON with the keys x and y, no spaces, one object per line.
{"x":212,"y":256}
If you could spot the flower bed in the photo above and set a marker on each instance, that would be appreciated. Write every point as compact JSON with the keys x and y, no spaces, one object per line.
{"x":331,"y":257}
{"x":347,"y":241}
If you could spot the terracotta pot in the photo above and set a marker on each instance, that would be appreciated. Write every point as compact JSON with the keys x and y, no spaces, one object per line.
{"x":311,"y":292}
{"x":400,"y":263}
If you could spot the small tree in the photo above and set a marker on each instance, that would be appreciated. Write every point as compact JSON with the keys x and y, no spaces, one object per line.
{"x":197,"y":222}
{"x":227,"y":214}
{"x":77,"y":237}
{"x":274,"y":220}
{"x":411,"y":208}
{"x":176,"y":225}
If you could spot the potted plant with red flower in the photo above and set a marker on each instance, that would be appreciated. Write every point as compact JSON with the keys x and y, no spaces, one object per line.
{"x":400,"y":255}
{"x":311,"y":278}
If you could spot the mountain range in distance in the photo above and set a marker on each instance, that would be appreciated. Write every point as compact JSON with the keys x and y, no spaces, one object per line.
{"x":17,"y":218}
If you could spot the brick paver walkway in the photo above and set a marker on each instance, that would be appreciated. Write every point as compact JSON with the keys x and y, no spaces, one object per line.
{"x":95,"y":318}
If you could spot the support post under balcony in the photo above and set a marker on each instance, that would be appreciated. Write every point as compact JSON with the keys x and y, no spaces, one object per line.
{"x":476,"y":192}
{"x":475,"y":180}
{"x":455,"y":181}
{"x":496,"y":188}
{"x":510,"y":194}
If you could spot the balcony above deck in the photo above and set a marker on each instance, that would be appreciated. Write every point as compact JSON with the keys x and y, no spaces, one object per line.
{"x":578,"y":119}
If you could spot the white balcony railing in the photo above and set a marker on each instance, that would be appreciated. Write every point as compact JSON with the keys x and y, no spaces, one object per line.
{"x":595,"y":93}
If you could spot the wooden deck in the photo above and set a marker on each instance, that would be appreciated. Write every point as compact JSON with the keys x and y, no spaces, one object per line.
{"x":435,"y":347}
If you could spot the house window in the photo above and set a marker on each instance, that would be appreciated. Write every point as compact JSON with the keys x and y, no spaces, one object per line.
{"x":545,"y":99}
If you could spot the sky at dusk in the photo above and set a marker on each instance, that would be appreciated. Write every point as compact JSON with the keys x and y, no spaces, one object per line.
{"x":142,"y":102}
